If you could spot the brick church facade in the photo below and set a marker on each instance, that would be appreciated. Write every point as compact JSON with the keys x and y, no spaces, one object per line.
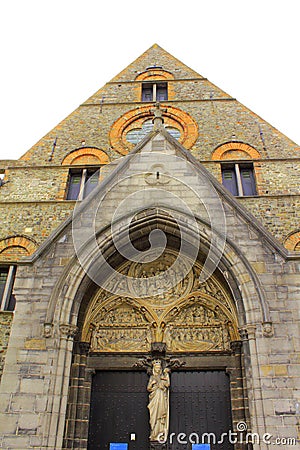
{"x":88,"y":299}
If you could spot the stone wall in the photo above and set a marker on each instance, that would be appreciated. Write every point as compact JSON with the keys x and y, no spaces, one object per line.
{"x":5,"y":326}
{"x":35,"y":385}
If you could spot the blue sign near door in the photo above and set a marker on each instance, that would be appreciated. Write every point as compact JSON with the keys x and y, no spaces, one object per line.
{"x":118,"y":446}
{"x":200,"y":446}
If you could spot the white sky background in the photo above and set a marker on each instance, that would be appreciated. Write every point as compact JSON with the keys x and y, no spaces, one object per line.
{"x":55,"y":54}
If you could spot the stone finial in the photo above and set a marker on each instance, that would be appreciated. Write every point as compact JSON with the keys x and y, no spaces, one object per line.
{"x":158,"y":117}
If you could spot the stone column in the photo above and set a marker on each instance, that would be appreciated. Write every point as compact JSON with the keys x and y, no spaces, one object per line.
{"x":238,"y":395}
{"x":60,"y":394}
{"x":77,"y":417}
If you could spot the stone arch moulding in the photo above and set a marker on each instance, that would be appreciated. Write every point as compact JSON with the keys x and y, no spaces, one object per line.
{"x":134,"y":118}
{"x":67,"y":295}
{"x":86,"y":155}
{"x":292,"y":241}
{"x":14,"y":247}
{"x":154,"y":74}
{"x":235,"y":150}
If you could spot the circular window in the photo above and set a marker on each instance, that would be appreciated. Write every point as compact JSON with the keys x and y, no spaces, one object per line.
{"x":133,"y":126}
{"x":137,"y":134}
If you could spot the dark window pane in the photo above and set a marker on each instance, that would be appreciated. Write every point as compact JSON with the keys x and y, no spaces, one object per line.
{"x":3,"y":279}
{"x":161,"y":92}
{"x":74,"y":186}
{"x":248,"y":182}
{"x":8,"y":304}
{"x":147,"y":93}
{"x":92,"y":178}
{"x":229,"y":180}
{"x":11,"y":304}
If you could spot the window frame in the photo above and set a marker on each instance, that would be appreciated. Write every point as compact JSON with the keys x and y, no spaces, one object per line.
{"x":238,"y":167}
{"x":85,"y":174}
{"x":156,"y":86}
{"x":7,"y":299}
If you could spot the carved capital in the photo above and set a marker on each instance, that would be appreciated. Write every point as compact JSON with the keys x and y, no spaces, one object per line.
{"x":243,"y":332}
{"x":158,"y":349}
{"x":236,"y":346}
{"x":84,"y":347}
{"x":267,"y":329}
{"x":48,"y":330}
{"x":251,"y":331}
{"x":67,"y":330}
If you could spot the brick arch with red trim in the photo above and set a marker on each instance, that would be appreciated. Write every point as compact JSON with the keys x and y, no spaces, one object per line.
{"x":235,"y":150}
{"x":155,"y":74}
{"x":292,"y":241}
{"x":86,"y":156}
{"x":185,"y":123}
{"x":15,"y":247}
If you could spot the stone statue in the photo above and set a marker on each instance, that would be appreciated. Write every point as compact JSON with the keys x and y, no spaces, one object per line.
{"x":158,"y":388}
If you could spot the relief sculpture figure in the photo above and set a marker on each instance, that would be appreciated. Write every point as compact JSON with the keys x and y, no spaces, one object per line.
{"x":158,"y":388}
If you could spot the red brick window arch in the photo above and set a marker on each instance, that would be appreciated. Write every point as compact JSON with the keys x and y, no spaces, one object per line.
{"x":292,"y":241}
{"x":239,"y":178}
{"x":84,"y":174}
{"x":156,"y":85}
{"x":176,"y":121}
{"x":234,"y":151}
{"x":86,"y":156}
{"x":15,"y":247}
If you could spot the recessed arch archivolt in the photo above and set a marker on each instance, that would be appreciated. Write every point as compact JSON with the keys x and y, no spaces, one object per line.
{"x":242,"y":283}
{"x":189,"y":317}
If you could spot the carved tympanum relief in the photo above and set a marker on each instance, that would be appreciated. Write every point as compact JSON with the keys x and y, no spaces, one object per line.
{"x":189,"y":316}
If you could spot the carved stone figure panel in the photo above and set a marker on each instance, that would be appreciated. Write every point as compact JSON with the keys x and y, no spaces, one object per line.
{"x":121,"y":328}
{"x":160,"y":282}
{"x":199,"y":324}
{"x":121,"y":339}
{"x":197,"y":339}
{"x":188,"y":316}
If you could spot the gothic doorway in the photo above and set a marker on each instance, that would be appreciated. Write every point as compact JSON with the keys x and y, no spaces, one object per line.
{"x":196,"y":322}
{"x":199,"y":403}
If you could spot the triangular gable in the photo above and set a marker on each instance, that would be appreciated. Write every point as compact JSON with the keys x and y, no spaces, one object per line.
{"x":156,"y":56}
{"x":161,"y":141}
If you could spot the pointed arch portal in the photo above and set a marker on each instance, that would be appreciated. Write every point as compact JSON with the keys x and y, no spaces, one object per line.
{"x":199,"y":325}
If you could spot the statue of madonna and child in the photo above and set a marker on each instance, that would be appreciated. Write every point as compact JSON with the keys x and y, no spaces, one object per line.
{"x":158,"y":388}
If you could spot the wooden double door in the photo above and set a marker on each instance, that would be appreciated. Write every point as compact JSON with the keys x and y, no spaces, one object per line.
{"x":199,"y":403}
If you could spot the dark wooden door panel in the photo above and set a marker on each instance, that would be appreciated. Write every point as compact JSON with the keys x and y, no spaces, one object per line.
{"x":119,"y":408}
{"x":199,"y":403}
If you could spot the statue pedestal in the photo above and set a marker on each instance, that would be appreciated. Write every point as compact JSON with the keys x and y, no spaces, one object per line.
{"x":154,"y":445}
